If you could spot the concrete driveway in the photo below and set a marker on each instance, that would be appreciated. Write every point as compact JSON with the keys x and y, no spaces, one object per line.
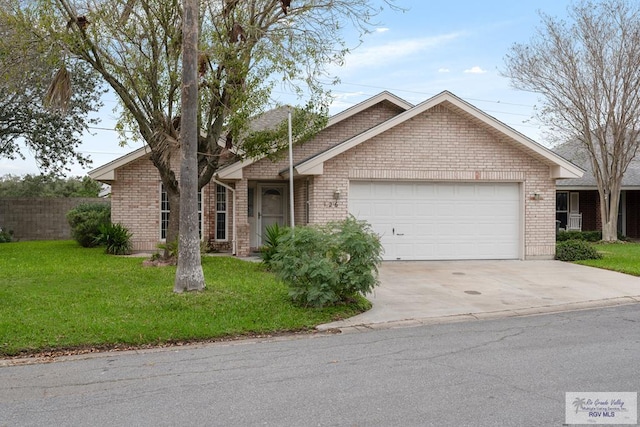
{"x":416,"y":292}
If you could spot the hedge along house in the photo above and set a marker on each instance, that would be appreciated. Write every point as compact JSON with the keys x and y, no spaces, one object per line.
{"x":438,"y":180}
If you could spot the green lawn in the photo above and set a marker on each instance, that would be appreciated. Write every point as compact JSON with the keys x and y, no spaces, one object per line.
{"x":622,"y":257}
{"x":57,"y":295}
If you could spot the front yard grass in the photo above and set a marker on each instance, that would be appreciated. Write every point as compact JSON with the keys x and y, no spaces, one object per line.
{"x":56,"y":295}
{"x":621,"y":257}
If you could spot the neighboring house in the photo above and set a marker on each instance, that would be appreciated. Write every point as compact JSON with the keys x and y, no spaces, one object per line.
{"x":438,"y":180}
{"x":578,"y":201}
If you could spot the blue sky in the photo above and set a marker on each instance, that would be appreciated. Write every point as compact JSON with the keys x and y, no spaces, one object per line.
{"x":433,"y":46}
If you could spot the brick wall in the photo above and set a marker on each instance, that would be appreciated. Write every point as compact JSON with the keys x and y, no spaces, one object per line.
{"x":40,"y":218}
{"x":135,"y":203}
{"x":269,"y":170}
{"x":438,"y":145}
{"x":590,"y":209}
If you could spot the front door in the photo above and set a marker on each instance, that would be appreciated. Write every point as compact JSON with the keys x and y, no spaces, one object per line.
{"x":272,"y":207}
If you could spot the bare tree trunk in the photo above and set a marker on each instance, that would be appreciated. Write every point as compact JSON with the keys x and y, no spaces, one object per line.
{"x":174,"y":217}
{"x":610,"y":217}
{"x":189,"y":276}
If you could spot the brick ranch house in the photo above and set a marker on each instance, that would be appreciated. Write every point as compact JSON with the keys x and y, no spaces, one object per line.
{"x":578,"y":201}
{"x":440,"y":180}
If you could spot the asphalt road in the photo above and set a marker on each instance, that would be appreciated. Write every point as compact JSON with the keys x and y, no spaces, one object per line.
{"x":507,"y":372}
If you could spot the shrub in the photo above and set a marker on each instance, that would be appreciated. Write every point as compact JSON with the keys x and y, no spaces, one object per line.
{"x":328,"y":265}
{"x":358,"y":252}
{"x":273,"y":234}
{"x":116,"y":238}
{"x":6,"y":236}
{"x":589,"y":236}
{"x":576,"y":250}
{"x":170,"y":251}
{"x":85,"y":221}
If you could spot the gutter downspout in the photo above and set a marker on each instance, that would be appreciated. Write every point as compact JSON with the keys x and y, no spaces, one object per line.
{"x":234,"y":233}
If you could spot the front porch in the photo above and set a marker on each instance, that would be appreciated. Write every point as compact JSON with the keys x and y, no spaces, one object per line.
{"x":579,"y":209}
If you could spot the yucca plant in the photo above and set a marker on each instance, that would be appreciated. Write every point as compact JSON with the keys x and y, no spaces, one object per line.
{"x":116,"y":238}
{"x":270,"y":239}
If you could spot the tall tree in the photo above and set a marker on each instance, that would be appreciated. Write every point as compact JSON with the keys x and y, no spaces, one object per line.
{"x":246,"y":49}
{"x":587,"y":70}
{"x":27,"y":65}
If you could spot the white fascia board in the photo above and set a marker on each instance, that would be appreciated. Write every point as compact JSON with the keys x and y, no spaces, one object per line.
{"x":559,"y":172}
{"x":368,"y":103}
{"x":107,"y":173}
{"x":566,"y":169}
{"x":317,"y":170}
{"x":560,"y":168}
{"x":313,"y":163}
{"x":234,"y":170}
{"x":310,"y":168}
{"x":343,"y":115}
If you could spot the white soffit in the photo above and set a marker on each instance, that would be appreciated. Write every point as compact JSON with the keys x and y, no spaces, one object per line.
{"x":106,"y":172}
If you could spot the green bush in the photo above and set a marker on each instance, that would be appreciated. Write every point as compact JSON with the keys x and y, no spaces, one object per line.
{"x":328,"y":265}
{"x":273,"y":234}
{"x":169,"y":250}
{"x":6,"y":236}
{"x":576,"y":250}
{"x":589,"y":236}
{"x":116,"y":238}
{"x":85,"y":221}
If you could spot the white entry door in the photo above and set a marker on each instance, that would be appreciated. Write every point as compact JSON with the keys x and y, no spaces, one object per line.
{"x":272,"y":207}
{"x":441,"y":221}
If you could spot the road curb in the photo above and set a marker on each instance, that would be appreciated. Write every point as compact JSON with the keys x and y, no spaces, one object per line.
{"x":345,"y":327}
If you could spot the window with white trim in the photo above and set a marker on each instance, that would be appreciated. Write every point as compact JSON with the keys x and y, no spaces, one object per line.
{"x":165,"y":210}
{"x":221,"y":212}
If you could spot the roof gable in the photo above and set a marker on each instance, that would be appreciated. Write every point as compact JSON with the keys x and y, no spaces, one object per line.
{"x":107,"y":173}
{"x":234,"y":171}
{"x":560,"y":168}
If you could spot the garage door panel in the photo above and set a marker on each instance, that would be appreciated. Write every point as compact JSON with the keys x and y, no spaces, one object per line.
{"x":445,"y":192}
{"x":403,"y":192}
{"x":441,"y":220}
{"x":382,"y":190}
{"x":383,"y":211}
{"x":425,"y":190}
{"x":486,"y":191}
{"x":423,"y":230}
{"x":404,"y":210}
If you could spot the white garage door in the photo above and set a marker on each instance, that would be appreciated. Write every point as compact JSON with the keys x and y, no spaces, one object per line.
{"x":441,"y":221}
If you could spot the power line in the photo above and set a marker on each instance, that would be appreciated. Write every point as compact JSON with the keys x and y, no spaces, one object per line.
{"x":431,"y":94}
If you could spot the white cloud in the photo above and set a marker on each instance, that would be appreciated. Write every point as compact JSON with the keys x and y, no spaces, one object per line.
{"x":392,"y":52}
{"x":344,"y":100}
{"x":381,"y":30}
{"x":475,"y":70}
{"x":443,"y":70}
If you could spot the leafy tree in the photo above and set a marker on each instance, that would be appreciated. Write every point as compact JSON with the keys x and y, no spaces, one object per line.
{"x":27,"y":65}
{"x":587,"y":70}
{"x":245,"y":49}
{"x":48,"y":186}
